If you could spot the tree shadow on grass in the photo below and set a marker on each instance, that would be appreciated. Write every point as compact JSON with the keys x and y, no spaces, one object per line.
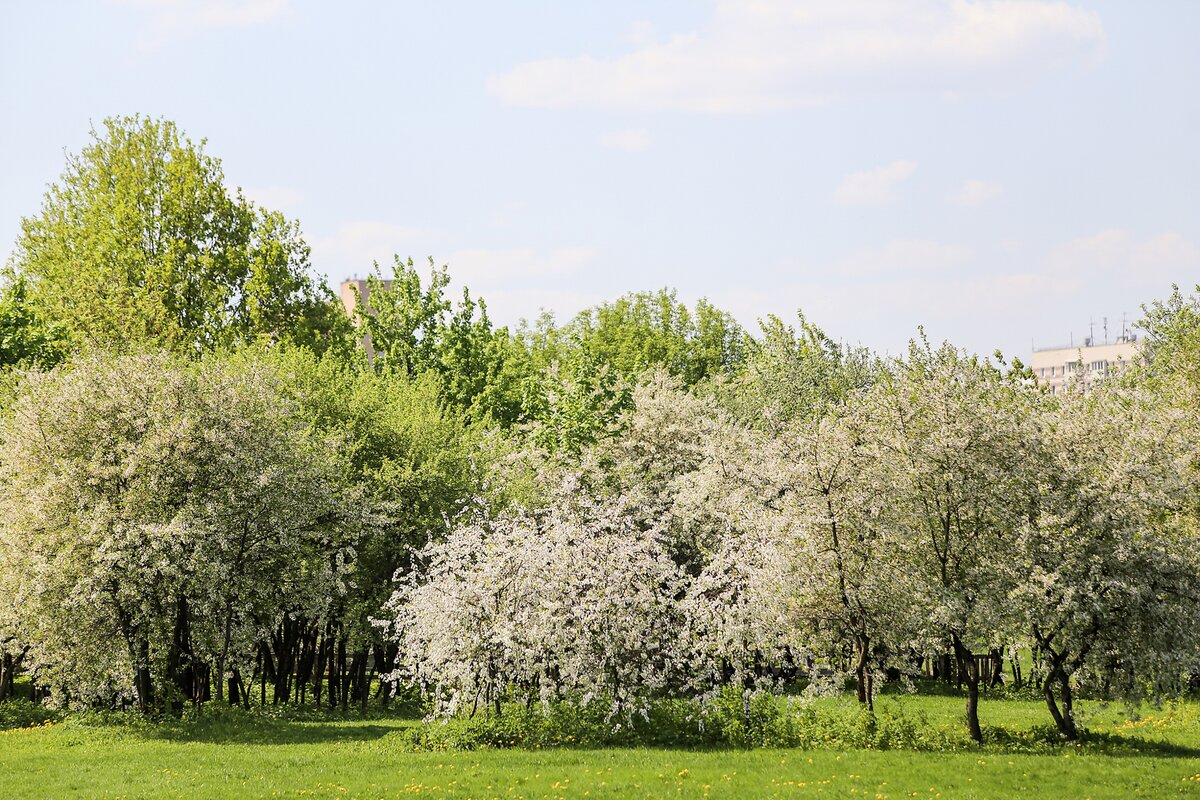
{"x":272,"y":733}
{"x":1045,"y":740}
{"x":271,"y":726}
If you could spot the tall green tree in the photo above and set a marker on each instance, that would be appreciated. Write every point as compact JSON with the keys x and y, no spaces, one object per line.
{"x":645,"y":330}
{"x":140,"y":241}
{"x":795,"y":374}
{"x":1172,"y":345}
{"x":413,"y":328}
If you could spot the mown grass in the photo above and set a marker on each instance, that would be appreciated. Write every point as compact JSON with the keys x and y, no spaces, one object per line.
{"x":1155,"y":753}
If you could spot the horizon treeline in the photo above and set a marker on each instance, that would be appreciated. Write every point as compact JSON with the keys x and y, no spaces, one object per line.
{"x":209,"y":491}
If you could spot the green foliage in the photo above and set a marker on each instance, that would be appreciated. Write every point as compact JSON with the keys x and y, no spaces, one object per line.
{"x":1172,"y":344}
{"x":645,"y":330}
{"x":26,"y":339}
{"x":21,"y":713}
{"x":411,"y":458}
{"x":140,"y":242}
{"x":579,"y":402}
{"x":795,"y":375}
{"x":413,"y":329}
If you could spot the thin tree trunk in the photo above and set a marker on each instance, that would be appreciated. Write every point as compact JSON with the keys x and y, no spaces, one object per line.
{"x":143,"y":682}
{"x":968,"y":671}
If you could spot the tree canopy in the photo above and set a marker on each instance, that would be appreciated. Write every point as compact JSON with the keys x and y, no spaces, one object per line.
{"x":141,"y":241}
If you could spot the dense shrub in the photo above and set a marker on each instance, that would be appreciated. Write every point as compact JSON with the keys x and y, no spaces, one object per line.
{"x":20,"y":713}
{"x":727,"y":721}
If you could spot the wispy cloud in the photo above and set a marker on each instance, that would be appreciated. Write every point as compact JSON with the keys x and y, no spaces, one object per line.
{"x":355,"y":245}
{"x":984,"y":297}
{"x":907,"y":257}
{"x":169,"y":20}
{"x":483,"y":267}
{"x":1118,"y":256}
{"x":631,"y":139}
{"x":771,"y":55}
{"x":975,"y":193}
{"x":873,"y":187}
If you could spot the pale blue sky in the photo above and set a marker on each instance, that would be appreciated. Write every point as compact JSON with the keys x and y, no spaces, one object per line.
{"x":997,"y":172}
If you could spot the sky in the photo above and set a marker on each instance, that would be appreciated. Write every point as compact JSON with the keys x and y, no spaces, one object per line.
{"x":1001,"y":173}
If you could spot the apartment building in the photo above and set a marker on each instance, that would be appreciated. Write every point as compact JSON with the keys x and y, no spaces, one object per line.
{"x":1058,"y":367}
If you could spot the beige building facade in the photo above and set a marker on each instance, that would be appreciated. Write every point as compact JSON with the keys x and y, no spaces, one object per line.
{"x":1059,"y":367}
{"x":350,"y":298}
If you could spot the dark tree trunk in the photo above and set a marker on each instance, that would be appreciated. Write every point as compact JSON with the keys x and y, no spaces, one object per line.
{"x":180,"y":666}
{"x":997,"y":676}
{"x":1064,"y":719}
{"x":8,"y":672}
{"x":968,"y":671}
{"x":143,"y":682}
{"x":862,"y":672}
{"x":389,"y":653}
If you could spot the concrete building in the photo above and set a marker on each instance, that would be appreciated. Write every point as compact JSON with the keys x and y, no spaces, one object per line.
{"x":350,"y":298}
{"x":1058,"y":367}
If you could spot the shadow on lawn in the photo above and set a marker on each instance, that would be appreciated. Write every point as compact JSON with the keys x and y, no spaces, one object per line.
{"x":1046,"y":740}
{"x":275,"y":726}
{"x":272,"y":732}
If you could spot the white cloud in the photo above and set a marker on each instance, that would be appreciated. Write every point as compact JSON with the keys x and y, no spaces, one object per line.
{"x":481,"y":268}
{"x":873,"y":187}
{"x":1116,"y":256}
{"x":909,"y":257}
{"x":976,"y":192}
{"x":353,"y":248}
{"x":631,"y":139}
{"x":983,"y":298}
{"x":168,"y":20}
{"x":640,"y":33}
{"x":771,"y":55}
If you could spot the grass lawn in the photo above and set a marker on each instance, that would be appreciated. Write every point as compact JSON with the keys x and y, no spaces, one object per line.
{"x":1156,"y":755}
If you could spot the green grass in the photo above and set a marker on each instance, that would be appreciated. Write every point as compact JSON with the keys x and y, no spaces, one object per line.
{"x":1155,"y":755}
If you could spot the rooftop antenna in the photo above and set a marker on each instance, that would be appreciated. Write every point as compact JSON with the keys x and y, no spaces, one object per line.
{"x":1124,"y":326}
{"x":1091,"y":331}
{"x":1105,"y":329}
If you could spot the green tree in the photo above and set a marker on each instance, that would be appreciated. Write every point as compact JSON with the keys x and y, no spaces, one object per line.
{"x":412,"y":461}
{"x":26,"y":340}
{"x":412,"y":328}
{"x":645,"y":330}
{"x":140,"y":241}
{"x":795,"y":375}
{"x":1172,"y":345}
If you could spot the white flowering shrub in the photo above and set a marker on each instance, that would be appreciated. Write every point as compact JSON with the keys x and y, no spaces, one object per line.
{"x":567,"y":601}
{"x":157,"y":517}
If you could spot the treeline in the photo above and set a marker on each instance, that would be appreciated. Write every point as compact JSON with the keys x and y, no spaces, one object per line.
{"x":210,"y":492}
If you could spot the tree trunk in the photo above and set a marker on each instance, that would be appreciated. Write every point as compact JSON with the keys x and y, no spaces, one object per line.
{"x":862,"y":673}
{"x":7,"y":668}
{"x":968,"y":672}
{"x":180,"y":669}
{"x":997,"y":676}
{"x":143,"y":682}
{"x":1064,"y":719}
